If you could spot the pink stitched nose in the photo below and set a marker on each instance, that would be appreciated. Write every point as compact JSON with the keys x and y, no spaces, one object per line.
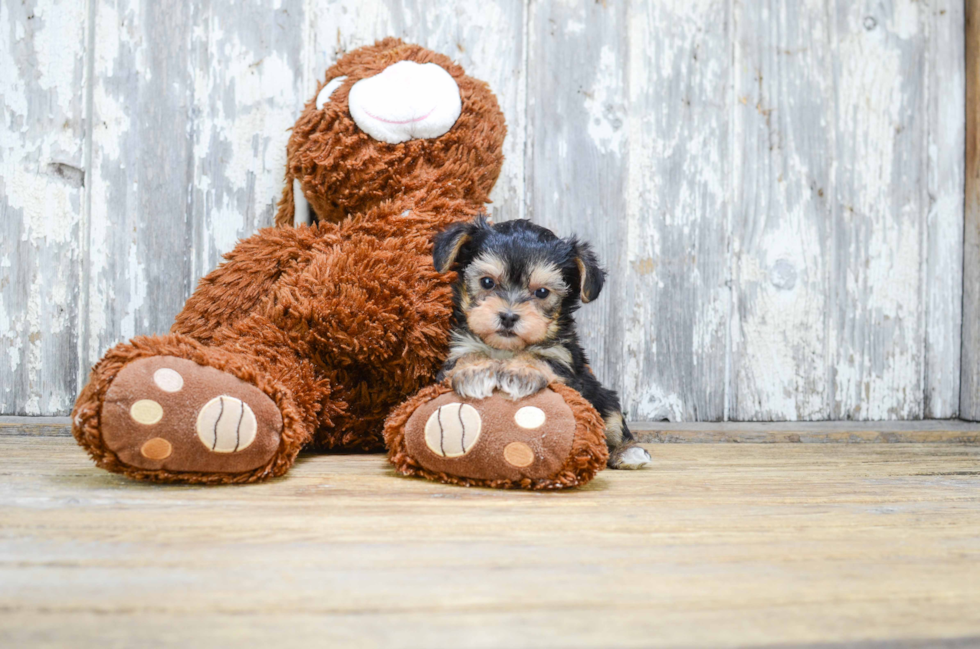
{"x":406,"y":101}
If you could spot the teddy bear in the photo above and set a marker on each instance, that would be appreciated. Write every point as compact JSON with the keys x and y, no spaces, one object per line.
{"x":311,"y":332}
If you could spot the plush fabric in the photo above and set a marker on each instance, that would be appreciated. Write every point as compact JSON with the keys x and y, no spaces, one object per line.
{"x":344,"y":171}
{"x":88,"y":414}
{"x":561,"y":443}
{"x":340,"y":321}
{"x":426,"y":103}
{"x":310,"y":335}
{"x":209,"y":407}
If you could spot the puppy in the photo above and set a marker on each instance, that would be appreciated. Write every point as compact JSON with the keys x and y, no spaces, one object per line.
{"x":513,"y":331}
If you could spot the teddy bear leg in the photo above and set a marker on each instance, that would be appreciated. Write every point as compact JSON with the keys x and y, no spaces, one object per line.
{"x":168,"y":409}
{"x":376,"y":318}
{"x":551,"y":440}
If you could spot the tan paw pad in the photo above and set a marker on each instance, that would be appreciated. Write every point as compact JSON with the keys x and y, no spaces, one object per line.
{"x":226,"y":425}
{"x":168,"y":380}
{"x":453,"y":429}
{"x":518,"y":454}
{"x":146,"y":412}
{"x":530,"y":417}
{"x":156,"y":448}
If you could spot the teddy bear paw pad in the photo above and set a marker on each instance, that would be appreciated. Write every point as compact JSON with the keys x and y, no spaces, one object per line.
{"x":453,"y":429}
{"x":493,"y":438}
{"x":169,"y":413}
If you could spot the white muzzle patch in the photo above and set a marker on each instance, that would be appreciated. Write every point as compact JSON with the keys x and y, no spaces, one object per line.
{"x":407,"y":101}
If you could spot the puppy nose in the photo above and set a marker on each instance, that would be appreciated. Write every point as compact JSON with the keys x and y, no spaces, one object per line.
{"x":508,"y":319}
{"x":406,"y":101}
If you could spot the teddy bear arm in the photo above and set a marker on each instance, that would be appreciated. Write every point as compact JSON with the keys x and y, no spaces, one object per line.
{"x":249,"y":274}
{"x":286,"y":209}
{"x":372,"y":303}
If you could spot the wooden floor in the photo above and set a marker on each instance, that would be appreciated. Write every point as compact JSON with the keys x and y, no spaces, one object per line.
{"x":715,"y":545}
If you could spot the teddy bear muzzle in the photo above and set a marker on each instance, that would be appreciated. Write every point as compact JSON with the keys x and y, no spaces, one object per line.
{"x":406,"y":101}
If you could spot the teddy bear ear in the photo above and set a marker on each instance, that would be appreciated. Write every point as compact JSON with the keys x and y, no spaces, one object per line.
{"x":448,"y":244}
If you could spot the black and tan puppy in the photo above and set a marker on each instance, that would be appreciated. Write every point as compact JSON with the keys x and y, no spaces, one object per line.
{"x":519,"y":285}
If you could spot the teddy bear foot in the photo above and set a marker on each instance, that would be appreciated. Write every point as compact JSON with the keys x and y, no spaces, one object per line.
{"x":553,"y":439}
{"x":493,"y":438}
{"x":170,"y":415}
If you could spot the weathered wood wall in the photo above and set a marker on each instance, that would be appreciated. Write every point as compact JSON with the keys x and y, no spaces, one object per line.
{"x":775,"y":186}
{"x":970,"y":361}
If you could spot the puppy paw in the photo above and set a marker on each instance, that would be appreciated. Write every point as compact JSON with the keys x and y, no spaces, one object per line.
{"x":629,"y":457}
{"x":522,"y":383}
{"x":473,"y":383}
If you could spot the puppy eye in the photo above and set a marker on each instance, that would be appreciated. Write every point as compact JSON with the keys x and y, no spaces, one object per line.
{"x":542,"y":293}
{"x":486,"y":283}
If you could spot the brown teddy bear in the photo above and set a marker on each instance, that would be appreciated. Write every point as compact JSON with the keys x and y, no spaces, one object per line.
{"x":308,"y":336}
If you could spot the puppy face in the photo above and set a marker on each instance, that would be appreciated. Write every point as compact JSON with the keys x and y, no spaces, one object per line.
{"x":511,"y":304}
{"x":518,"y":282}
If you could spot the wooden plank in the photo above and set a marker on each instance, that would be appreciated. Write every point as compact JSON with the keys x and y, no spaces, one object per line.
{"x":140,"y":232}
{"x":35,"y":426}
{"x":525,"y":629}
{"x":943,"y":281}
{"x":42,"y":107}
{"x":577,"y":150}
{"x":192,"y":107}
{"x":782,"y":221}
{"x":970,"y":363}
{"x":836,"y":316}
{"x":950,"y":431}
{"x":806,"y":432}
{"x":246,"y":63}
{"x":712,"y":546}
{"x":486,"y":37}
{"x":880,"y":208}
{"x":670,"y":298}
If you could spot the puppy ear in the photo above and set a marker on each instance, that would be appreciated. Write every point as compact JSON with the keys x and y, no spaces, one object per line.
{"x":446,"y":245}
{"x":591,"y":275}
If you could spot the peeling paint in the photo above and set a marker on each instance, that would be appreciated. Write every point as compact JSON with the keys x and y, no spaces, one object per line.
{"x":41,"y":108}
{"x":604,"y":105}
{"x":783,"y":230}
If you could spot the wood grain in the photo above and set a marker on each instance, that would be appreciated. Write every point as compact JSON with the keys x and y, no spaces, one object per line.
{"x":846,"y":251}
{"x":878,"y":314}
{"x":943,"y":280}
{"x":970,"y":363}
{"x":935,"y":431}
{"x":42,"y":174}
{"x":783,"y":211}
{"x":776,"y":187}
{"x":577,"y":148}
{"x":716,"y":545}
{"x":139,"y":234}
{"x":670,"y":361}
{"x":191,"y":106}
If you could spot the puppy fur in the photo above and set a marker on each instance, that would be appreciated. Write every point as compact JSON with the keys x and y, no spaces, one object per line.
{"x":518,"y":286}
